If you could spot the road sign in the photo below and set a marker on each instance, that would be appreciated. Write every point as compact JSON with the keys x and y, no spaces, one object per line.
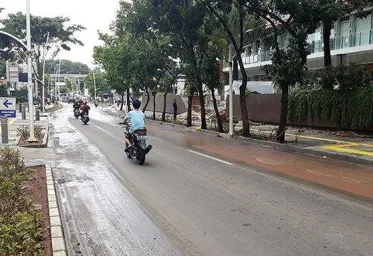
{"x":13,"y":73}
{"x":8,"y":107}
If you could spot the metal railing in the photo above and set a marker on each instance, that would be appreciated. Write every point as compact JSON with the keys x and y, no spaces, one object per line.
{"x":342,"y":42}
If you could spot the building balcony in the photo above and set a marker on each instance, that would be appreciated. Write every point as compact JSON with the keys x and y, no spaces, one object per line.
{"x":342,"y":42}
{"x":352,"y":43}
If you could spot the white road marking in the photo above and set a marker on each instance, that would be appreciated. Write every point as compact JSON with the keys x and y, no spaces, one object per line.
{"x":109,"y":133}
{"x":210,"y":157}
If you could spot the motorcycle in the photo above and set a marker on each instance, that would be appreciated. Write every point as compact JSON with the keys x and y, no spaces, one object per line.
{"x":85,"y":118}
{"x":138,"y":147}
{"x":76,"y":113}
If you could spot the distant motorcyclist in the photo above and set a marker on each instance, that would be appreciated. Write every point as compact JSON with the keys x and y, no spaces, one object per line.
{"x":137,"y":121}
{"x":76,"y":108}
{"x":77,"y":104}
{"x":84,"y":109}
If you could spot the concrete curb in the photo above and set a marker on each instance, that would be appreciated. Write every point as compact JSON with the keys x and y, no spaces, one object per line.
{"x":52,"y":109}
{"x":58,"y":240}
{"x":46,"y":136}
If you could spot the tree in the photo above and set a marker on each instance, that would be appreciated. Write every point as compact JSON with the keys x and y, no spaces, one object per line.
{"x":68,"y":84}
{"x":116,"y":60}
{"x":166,"y":82}
{"x":138,"y":59}
{"x":232,"y":15}
{"x":101,"y":83}
{"x":2,"y":68}
{"x":210,"y":77}
{"x":182,"y":21}
{"x":61,"y":36}
{"x":214,"y":50}
{"x":67,"y":66}
{"x":298,"y":18}
{"x":65,"y":89}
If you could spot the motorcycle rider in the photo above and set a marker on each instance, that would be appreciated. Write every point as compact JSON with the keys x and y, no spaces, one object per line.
{"x":77,"y":105}
{"x":137,"y":120}
{"x":84,"y":109}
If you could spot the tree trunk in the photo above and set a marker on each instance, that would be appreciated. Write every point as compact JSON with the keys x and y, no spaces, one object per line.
{"x":244,"y":112}
{"x":218,"y":117}
{"x":284,"y":112}
{"x":154,"y":96}
{"x":164,"y":107}
{"x":128,"y":101}
{"x":190,"y":106}
{"x":147,"y":100}
{"x":202,"y":104}
{"x":235,"y":70}
{"x":327,"y":26}
{"x":121,"y":106}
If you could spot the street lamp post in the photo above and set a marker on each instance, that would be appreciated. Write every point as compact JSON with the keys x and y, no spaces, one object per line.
{"x":29,"y":73}
{"x":94,"y":82}
{"x":43,"y":88}
{"x":59,"y":80}
{"x":230,"y":93}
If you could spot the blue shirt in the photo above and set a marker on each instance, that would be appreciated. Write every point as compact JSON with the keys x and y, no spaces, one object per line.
{"x":137,"y":118}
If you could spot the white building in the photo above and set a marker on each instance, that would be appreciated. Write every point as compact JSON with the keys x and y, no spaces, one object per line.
{"x":351,"y":41}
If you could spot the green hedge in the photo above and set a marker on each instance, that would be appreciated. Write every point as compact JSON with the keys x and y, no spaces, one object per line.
{"x":349,"y":109}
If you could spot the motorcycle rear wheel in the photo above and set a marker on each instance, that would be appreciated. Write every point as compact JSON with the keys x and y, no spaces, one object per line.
{"x":140,"y":156}
{"x":128,"y":153}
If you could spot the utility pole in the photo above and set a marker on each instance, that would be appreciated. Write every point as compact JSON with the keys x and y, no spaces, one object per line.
{"x":29,"y":74}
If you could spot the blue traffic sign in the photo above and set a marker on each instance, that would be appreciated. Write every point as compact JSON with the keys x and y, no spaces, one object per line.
{"x":7,"y":103}
{"x":8,"y":107}
{"x":8,"y":113}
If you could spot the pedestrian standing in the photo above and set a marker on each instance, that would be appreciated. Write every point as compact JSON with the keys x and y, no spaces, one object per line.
{"x":175,"y":109}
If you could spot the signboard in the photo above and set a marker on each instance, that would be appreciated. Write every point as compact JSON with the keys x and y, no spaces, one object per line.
{"x":13,"y":74}
{"x":8,"y":107}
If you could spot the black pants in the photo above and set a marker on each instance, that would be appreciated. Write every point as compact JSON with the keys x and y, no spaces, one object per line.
{"x":175,"y":114}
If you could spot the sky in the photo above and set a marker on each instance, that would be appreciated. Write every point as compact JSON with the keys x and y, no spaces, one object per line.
{"x":92,"y":14}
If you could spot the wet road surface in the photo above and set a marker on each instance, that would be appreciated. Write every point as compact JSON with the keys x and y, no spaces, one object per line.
{"x":191,"y":198}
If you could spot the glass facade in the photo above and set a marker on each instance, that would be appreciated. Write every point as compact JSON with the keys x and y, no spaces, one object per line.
{"x":364,"y":30}
{"x":347,"y":33}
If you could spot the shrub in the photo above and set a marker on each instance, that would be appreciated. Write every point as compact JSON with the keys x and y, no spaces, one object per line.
{"x":24,"y":132}
{"x":20,"y":222}
{"x":351,"y":109}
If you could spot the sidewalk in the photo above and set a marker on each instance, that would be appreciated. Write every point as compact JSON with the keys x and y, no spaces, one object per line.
{"x":341,"y":145}
{"x":15,"y":123}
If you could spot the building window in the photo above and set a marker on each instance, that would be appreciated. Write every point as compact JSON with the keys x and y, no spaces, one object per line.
{"x":363,"y":30}
{"x":314,"y":41}
{"x":345,"y":34}
{"x":283,"y":40}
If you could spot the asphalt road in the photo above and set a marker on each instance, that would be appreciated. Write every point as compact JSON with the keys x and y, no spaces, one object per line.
{"x":186,"y":202}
